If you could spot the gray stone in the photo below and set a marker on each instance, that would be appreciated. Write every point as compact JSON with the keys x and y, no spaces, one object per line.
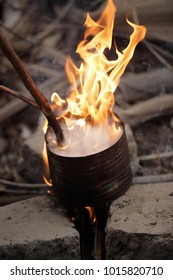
{"x":140,"y":225}
{"x":35,"y":229}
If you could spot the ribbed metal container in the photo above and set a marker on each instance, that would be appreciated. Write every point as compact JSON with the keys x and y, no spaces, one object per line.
{"x":91,"y":180}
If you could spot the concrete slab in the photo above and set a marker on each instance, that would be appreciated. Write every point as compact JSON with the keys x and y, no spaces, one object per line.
{"x":140,"y":225}
{"x":35,"y":229}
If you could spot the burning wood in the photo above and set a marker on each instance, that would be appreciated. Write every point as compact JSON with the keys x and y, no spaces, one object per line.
{"x":16,"y":94}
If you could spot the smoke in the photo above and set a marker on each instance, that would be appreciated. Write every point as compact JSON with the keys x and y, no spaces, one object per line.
{"x":82,"y":139}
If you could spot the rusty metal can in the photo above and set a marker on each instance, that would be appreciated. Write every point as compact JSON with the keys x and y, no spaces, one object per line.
{"x":91,"y":180}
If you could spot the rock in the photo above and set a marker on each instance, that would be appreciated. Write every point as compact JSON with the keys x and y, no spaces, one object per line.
{"x":35,"y":229}
{"x":141,"y":223}
{"x":139,"y":227}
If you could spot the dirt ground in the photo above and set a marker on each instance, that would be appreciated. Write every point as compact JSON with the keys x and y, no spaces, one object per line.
{"x":42,"y":37}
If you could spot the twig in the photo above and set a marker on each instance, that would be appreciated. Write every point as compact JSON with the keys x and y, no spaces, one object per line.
{"x":145,"y":110}
{"x":56,"y":54}
{"x":21,"y":97}
{"x":62,"y":12}
{"x":153,"y":179}
{"x":47,"y":30}
{"x":16,"y":188}
{"x":10,"y":109}
{"x":156,"y":156}
{"x":145,"y":84}
{"x":43,"y":70}
{"x":160,"y":50}
{"x":147,"y":44}
{"x":23,"y":185}
{"x":14,"y":106}
{"x":31,"y":86}
{"x":157,"y":55}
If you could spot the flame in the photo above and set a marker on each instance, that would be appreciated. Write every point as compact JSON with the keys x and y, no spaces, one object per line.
{"x":46,"y":175}
{"x":93,"y":84}
{"x":91,"y":213}
{"x":91,"y":100}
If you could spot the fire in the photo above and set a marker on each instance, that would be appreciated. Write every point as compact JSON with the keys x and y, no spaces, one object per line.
{"x":46,"y":175}
{"x":86,"y":116}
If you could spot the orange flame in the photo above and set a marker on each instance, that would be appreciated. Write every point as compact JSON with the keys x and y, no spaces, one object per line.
{"x":91,"y":94}
{"x":46,"y":175}
{"x":94,"y":82}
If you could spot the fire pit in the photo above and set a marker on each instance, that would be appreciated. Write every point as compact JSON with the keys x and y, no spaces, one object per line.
{"x":90,"y":167}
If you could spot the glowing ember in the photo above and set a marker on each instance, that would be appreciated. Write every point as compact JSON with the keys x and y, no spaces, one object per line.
{"x":87,"y":119}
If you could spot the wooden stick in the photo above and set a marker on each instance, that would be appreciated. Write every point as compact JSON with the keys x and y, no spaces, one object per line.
{"x":157,"y":55}
{"x":161,"y":178}
{"x":43,"y":70}
{"x":156,"y":156}
{"x":145,"y":84}
{"x":147,"y":44}
{"x":16,"y":94}
{"x":22,"y":184}
{"x":10,"y":109}
{"x":15,"y":105}
{"x":145,"y":110}
{"x":160,"y":50}
{"x":31,"y":86}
